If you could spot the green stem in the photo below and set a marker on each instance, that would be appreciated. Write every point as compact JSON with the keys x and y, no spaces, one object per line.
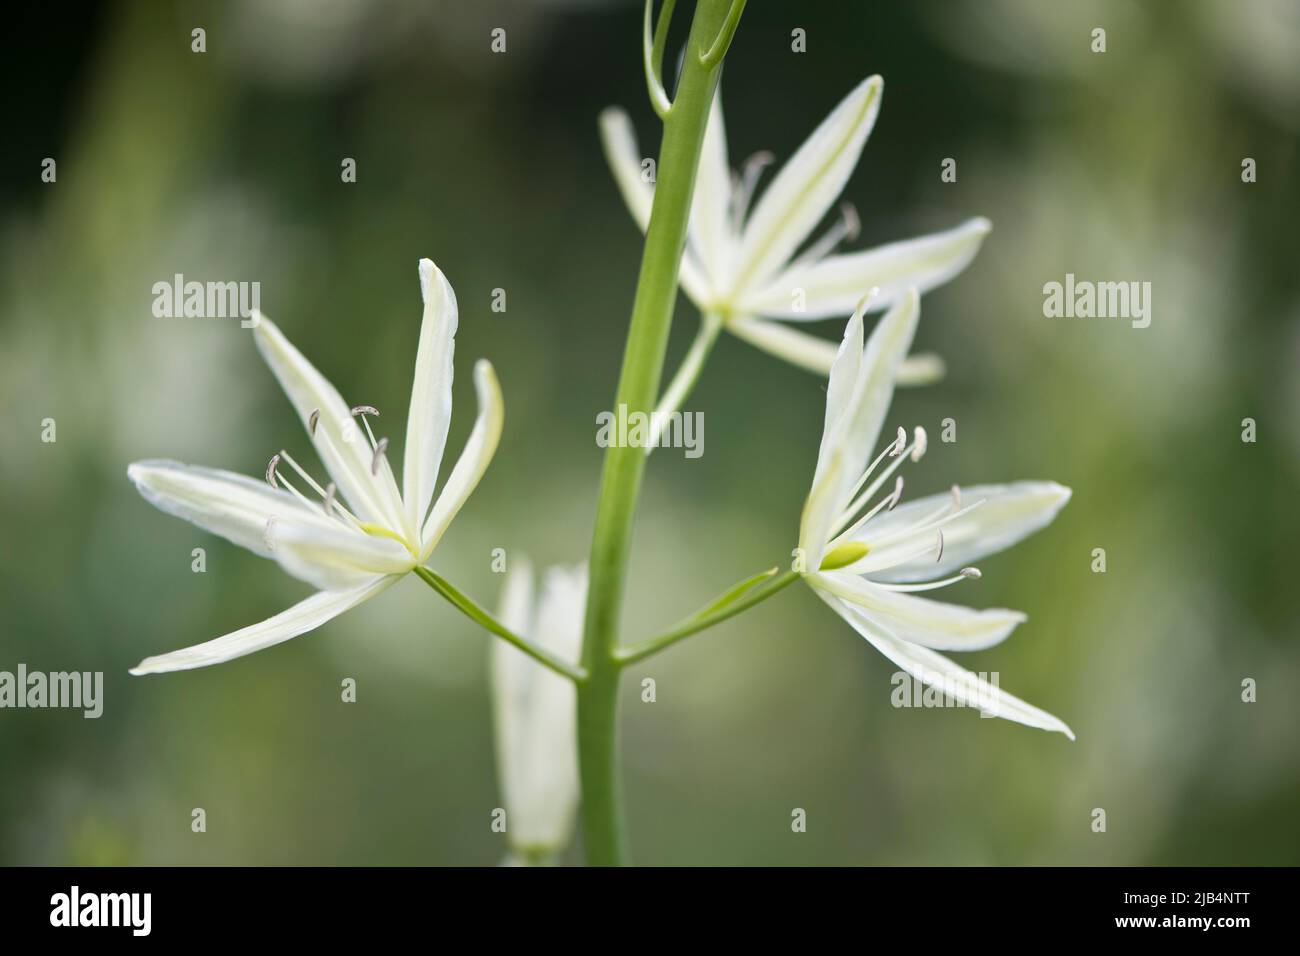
{"x":697,"y":623}
{"x":467,"y":606}
{"x":643,"y":358}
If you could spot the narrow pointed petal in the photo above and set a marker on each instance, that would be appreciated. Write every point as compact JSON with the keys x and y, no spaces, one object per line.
{"x":806,"y":188}
{"x":918,"y":620}
{"x":536,"y":709}
{"x":430,"y":412}
{"x":833,"y":285}
{"x":1008,"y":514}
{"x":342,"y":448}
{"x":624,"y":158}
{"x":710,"y":219}
{"x":816,"y":354}
{"x":335,"y":557}
{"x":479,"y":449}
{"x":233,"y":506}
{"x":933,"y":669}
{"x":822,"y":507}
{"x":302,"y":617}
{"x":887,"y":346}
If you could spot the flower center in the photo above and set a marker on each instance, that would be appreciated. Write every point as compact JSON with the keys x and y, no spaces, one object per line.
{"x":843,"y":550}
{"x":329,"y":502}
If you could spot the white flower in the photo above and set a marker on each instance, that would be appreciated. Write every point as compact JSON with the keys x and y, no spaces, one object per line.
{"x":867,"y":560}
{"x":742,"y":269}
{"x":350,"y":551}
{"x":536,"y":710}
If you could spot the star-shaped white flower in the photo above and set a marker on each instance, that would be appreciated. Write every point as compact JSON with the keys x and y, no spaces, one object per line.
{"x":740,"y":268}
{"x":357,"y":535}
{"x":536,"y":710}
{"x":867,"y":556}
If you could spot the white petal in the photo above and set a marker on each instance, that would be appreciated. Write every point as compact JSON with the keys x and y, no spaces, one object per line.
{"x":805,"y":188}
{"x":710,"y":220}
{"x":536,"y":709}
{"x":843,"y":388}
{"x":944,"y":627}
{"x":302,"y":617}
{"x":816,"y":354}
{"x":479,"y":449}
{"x":833,"y":285}
{"x":342,"y":447}
{"x":798,"y":348}
{"x":886,"y":348}
{"x":335,"y":556}
{"x":624,"y":158}
{"x":1008,"y":513}
{"x":430,"y":412}
{"x":934,"y":669}
{"x":233,"y":506}
{"x":516,"y":608}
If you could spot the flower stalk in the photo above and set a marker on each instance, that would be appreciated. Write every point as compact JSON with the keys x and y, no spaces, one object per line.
{"x":684,"y":123}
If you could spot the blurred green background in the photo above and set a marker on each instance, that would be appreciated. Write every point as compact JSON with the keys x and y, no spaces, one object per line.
{"x":226,"y":165}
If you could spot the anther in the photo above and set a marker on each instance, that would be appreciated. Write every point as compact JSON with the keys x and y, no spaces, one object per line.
{"x":365,"y":410}
{"x":380,"y":448}
{"x":972,"y":573}
{"x":899,"y":444}
{"x":329,"y":499}
{"x":919,"y":443}
{"x":956,"y":497}
{"x":744,"y":190}
{"x":312,"y":419}
{"x":897,"y":493}
{"x":270,"y":470}
{"x":852,"y":224}
{"x":939,"y":557}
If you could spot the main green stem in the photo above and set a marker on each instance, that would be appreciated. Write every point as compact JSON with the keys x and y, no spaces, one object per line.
{"x":604,"y":827}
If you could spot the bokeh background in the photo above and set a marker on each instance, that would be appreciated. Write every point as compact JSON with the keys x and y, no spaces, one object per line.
{"x":1122,"y":166}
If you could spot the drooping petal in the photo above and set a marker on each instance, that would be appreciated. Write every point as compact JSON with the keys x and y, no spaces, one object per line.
{"x":430,"y":412}
{"x":833,"y":285}
{"x":805,"y":188}
{"x":933,"y":669}
{"x":1007,"y":514}
{"x":233,"y":506}
{"x":935,"y":624}
{"x":535,"y":709}
{"x":473,"y":461}
{"x":625,"y":162}
{"x":342,"y":448}
{"x":816,"y":354}
{"x":335,"y":556}
{"x":302,"y":617}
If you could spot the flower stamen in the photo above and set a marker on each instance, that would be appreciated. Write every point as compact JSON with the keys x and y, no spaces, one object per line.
{"x":845,"y":228}
{"x":380,"y":447}
{"x":962,"y":575}
{"x":744,"y":187}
